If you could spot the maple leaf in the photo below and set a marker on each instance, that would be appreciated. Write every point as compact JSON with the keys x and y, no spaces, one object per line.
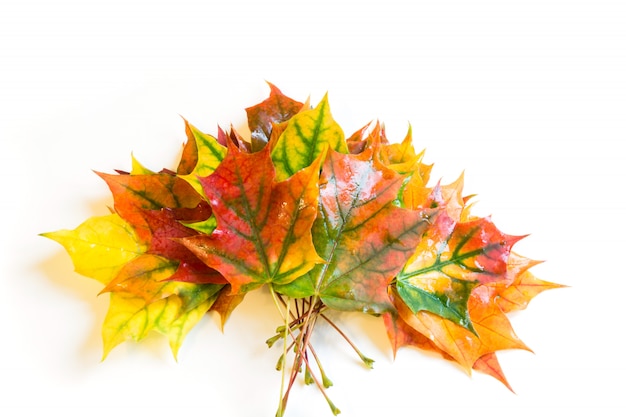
{"x":166,"y":234}
{"x":225,"y":303}
{"x":138,"y":168}
{"x":328,"y":222}
{"x":491,"y":329}
{"x":263,"y":229}
{"x":400,"y":334}
{"x":452,"y":260}
{"x":201,"y":156}
{"x":100,"y":246}
{"x":131,"y":317}
{"x":155,"y":205}
{"x":107,"y":249}
{"x":521,"y":286}
{"x":363,"y":238}
{"x":367,"y":137}
{"x":277,"y":108}
{"x":402,"y":158}
{"x":132,"y":194}
{"x":489,"y":364}
{"x":306,"y":136}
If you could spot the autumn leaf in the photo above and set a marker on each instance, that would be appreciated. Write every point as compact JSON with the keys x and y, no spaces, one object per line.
{"x":328,"y":223}
{"x":144,"y":276}
{"x":167,"y":232}
{"x":366,"y":137}
{"x":445,"y":269}
{"x":144,"y":299}
{"x":130,"y":317}
{"x":307,"y":135}
{"x":201,"y":156}
{"x":451,"y":338}
{"x":363,"y":238}
{"x":138,"y":168}
{"x":402,"y":158}
{"x":226,"y":303}
{"x":489,"y":364}
{"x":400,"y":334}
{"x":491,"y":330}
{"x":277,"y":108}
{"x":132,"y":194}
{"x":522,"y":285}
{"x":107,"y":249}
{"x":263,"y":229}
{"x":493,"y":327}
{"x":100,"y":246}
{"x":155,"y":205}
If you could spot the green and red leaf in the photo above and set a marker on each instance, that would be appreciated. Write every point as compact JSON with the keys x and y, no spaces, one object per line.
{"x":452,"y":260}
{"x":328,"y":223}
{"x":362,"y":236}
{"x":263,"y":229}
{"x":132,"y":194}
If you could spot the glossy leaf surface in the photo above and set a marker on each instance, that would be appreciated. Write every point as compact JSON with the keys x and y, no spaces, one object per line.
{"x":100,"y":246}
{"x":167,"y":232}
{"x":307,"y":135}
{"x":363,"y":238}
{"x":263,"y":229}
{"x":277,"y":108}
{"x":441,"y":276}
{"x":203,"y":154}
{"x":130,"y":317}
{"x":132,"y":194}
{"x":328,"y":223}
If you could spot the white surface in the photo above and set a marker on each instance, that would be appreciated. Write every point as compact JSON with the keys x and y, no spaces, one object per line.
{"x":527,"y":97}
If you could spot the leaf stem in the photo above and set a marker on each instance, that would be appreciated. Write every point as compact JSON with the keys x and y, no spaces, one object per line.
{"x":281,"y":404}
{"x":367,"y":361}
{"x":325,"y":380}
{"x":306,"y":312}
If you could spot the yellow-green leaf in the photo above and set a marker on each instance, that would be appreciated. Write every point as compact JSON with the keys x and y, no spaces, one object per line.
{"x":138,"y":168}
{"x":179,"y":328}
{"x":306,"y":136}
{"x":130,"y":317}
{"x":206,"y":226}
{"x":210,"y":155}
{"x":100,"y":246}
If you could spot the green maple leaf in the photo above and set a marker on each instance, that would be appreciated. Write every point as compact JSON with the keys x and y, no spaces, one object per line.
{"x":307,"y":135}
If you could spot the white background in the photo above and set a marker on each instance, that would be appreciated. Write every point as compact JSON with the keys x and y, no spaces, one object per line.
{"x":528,"y":98}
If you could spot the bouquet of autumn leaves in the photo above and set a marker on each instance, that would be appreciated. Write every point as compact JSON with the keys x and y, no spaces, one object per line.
{"x":325,"y":222}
